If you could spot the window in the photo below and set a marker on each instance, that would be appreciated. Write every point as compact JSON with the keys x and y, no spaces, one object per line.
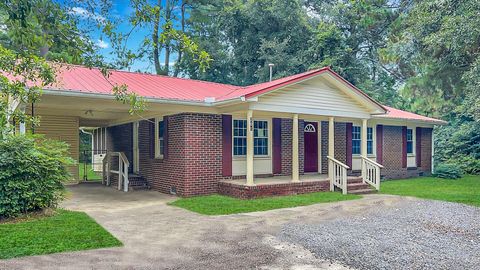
{"x":409,"y":141}
{"x":239,"y":137}
{"x":159,"y":142}
{"x":356,"y":139}
{"x":369,"y":140}
{"x":260,"y":138}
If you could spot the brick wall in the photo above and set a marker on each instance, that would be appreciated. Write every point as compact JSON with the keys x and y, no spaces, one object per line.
{"x":324,"y":146}
{"x":120,"y":139}
{"x":392,"y":154}
{"x":340,"y":141}
{"x":287,"y":146}
{"x":194,"y":162}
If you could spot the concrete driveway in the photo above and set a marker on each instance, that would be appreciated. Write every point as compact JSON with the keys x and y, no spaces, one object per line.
{"x":158,"y":236}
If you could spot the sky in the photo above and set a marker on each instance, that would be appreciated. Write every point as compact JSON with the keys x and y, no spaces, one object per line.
{"x":120,"y":11}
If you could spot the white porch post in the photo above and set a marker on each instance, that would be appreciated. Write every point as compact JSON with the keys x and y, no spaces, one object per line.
{"x":364,"y":146}
{"x":295,"y":162}
{"x":331,"y":148}
{"x":136,"y":155}
{"x":250,"y":148}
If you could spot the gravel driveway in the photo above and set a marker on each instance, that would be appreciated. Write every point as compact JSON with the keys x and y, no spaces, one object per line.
{"x":412,"y":235}
{"x":158,"y":236}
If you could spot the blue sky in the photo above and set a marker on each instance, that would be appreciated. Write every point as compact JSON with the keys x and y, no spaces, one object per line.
{"x":120,"y":11}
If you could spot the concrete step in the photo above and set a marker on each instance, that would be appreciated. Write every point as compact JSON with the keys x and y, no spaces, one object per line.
{"x":357,"y":186}
{"x":353,"y":180}
{"x":362,"y":191}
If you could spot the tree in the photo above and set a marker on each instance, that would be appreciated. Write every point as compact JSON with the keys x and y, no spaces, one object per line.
{"x":243,"y":37}
{"x":436,"y":49}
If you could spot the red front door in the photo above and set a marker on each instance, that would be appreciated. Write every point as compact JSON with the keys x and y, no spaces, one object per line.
{"x":310,"y":134}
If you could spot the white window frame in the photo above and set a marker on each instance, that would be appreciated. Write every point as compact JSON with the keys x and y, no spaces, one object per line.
{"x":412,"y":154}
{"x":269,"y":138}
{"x":373,"y":144}
{"x":158,"y":153}
{"x":359,"y":139}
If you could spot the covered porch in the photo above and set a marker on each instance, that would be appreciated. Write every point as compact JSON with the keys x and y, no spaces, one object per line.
{"x":304,"y":153}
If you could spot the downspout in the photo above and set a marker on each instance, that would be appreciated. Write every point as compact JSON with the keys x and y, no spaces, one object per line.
{"x":433,"y":153}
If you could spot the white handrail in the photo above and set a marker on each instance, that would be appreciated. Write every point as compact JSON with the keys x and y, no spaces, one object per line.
{"x":371,"y":172}
{"x":337,"y":172}
{"x":122,"y":172}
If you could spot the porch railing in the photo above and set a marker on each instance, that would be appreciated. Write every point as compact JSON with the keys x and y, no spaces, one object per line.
{"x":122,"y":171}
{"x":371,"y":172}
{"x":337,"y":172}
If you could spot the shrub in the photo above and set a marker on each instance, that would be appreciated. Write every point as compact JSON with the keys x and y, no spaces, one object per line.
{"x":31,"y":173}
{"x":448,"y":171}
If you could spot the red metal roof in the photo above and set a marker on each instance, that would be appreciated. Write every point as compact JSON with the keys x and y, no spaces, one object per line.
{"x":404,"y":115}
{"x":91,"y":80}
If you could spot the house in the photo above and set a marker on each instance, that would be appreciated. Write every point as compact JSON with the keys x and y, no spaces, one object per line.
{"x":308,"y":132}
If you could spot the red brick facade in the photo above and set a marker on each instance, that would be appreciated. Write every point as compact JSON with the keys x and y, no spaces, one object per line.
{"x":194,"y":162}
{"x":392,"y":154}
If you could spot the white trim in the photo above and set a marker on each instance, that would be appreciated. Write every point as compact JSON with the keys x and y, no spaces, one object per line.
{"x":433,"y":154}
{"x":296,"y":110}
{"x":158,"y":155}
{"x":136,"y":153}
{"x":319,"y":144}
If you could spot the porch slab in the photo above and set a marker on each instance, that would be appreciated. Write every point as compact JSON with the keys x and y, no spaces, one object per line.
{"x":274,"y":186}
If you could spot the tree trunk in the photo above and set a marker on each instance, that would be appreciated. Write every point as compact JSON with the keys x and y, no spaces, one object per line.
{"x":168,"y":15}
{"x":156,"y":45}
{"x":179,"y":60}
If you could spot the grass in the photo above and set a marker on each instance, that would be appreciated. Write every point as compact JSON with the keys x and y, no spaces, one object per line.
{"x":91,"y":175}
{"x":464,"y":190}
{"x":63,"y":231}
{"x":222,"y":205}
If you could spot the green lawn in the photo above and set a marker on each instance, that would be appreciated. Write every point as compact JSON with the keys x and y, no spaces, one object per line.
{"x":222,"y":205}
{"x":91,"y":175}
{"x":464,"y":190}
{"x":63,"y":231}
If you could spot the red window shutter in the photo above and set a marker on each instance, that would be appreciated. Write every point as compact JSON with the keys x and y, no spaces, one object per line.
{"x":418,"y":148}
{"x":380,"y":144}
{"x":349,"y":144}
{"x":165,"y":137}
{"x":226,"y":145}
{"x":404,"y":147}
{"x":151,"y":124}
{"x":277,"y":145}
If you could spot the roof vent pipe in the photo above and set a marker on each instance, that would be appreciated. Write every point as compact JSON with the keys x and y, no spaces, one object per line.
{"x":271,"y":70}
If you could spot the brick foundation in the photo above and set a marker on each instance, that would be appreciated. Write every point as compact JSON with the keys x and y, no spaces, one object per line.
{"x":250,"y":192}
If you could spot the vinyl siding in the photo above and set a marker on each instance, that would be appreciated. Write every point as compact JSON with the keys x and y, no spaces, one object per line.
{"x":311,"y":95}
{"x":63,"y":128}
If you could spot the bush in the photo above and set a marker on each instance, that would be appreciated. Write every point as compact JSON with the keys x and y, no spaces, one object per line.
{"x":31,"y":173}
{"x":448,"y":171}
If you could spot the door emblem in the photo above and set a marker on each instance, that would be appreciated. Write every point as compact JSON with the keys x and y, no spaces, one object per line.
{"x":309,"y":128}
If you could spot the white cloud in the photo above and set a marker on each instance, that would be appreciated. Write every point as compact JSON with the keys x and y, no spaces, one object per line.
{"x":101,"y":44}
{"x":85,"y":14}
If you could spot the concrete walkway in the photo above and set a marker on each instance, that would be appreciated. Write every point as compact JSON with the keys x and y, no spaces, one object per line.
{"x":158,"y":236}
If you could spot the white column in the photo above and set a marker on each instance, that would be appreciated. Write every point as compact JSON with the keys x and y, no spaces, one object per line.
{"x":136,"y":154}
{"x":250,"y":148}
{"x":364,"y":146}
{"x":295,"y":162}
{"x":331,"y":137}
{"x":331,"y":149}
